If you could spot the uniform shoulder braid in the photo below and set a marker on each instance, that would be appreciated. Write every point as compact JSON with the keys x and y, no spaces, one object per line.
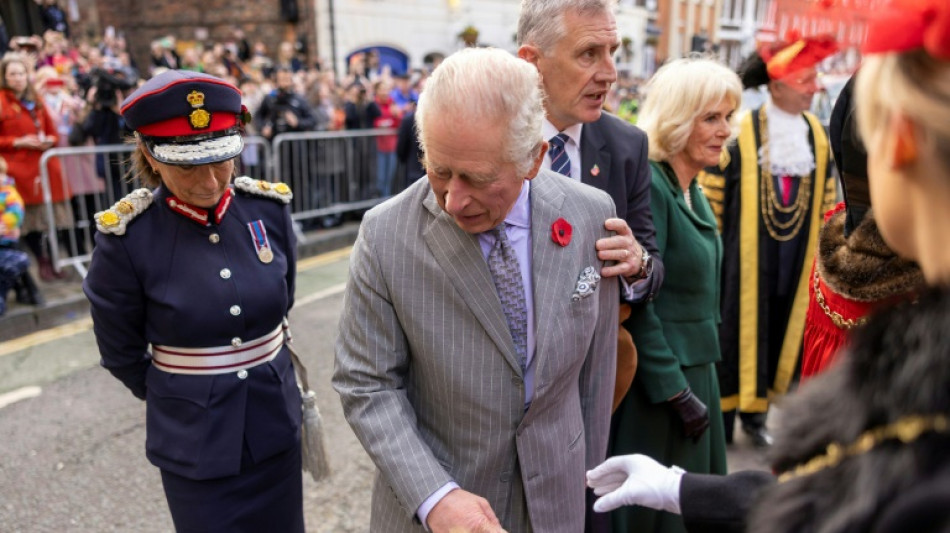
{"x":115,"y":219}
{"x":275,"y":191}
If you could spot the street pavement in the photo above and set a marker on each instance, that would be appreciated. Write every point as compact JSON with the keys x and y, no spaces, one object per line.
{"x":73,"y":459}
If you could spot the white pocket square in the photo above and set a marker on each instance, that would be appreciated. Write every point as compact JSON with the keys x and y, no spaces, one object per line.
{"x":586,"y":284}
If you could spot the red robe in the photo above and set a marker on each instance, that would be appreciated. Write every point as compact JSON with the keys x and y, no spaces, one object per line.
{"x":853,"y":276}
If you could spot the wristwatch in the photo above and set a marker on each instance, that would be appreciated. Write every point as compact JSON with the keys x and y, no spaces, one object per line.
{"x":646,"y":264}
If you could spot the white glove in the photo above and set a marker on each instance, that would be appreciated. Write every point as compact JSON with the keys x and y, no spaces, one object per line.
{"x":635,"y":480}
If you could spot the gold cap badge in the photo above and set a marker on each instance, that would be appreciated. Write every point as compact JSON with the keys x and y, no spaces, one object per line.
{"x":196,"y":99}
{"x":199,"y":118}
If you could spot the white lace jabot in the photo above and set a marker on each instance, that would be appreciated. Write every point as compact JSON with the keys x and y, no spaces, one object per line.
{"x":789,"y":150}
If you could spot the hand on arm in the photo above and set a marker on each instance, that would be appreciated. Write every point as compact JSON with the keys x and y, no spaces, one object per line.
{"x":463,"y":512}
{"x":622,"y":248}
{"x":635,"y":480}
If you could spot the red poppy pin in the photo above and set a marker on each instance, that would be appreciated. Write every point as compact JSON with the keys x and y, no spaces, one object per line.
{"x":561,"y":232}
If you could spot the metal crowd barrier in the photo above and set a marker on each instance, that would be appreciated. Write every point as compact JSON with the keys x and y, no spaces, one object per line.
{"x":331,"y":174}
{"x":97,"y":176}
{"x":334,"y":172}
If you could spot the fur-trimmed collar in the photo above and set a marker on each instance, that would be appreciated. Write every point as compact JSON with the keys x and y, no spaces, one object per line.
{"x":862,"y":267}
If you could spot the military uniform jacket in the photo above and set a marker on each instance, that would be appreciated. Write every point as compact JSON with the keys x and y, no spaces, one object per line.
{"x":172,"y":281}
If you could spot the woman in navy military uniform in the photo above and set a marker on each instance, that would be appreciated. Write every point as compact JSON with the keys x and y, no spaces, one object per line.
{"x":203,"y":271}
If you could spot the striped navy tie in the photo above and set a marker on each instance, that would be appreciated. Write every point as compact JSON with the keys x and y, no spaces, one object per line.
{"x":506,"y":273}
{"x":560,"y":162}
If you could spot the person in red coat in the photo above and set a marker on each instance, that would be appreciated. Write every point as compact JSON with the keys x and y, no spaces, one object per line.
{"x":26,"y":131}
{"x":854,"y":271}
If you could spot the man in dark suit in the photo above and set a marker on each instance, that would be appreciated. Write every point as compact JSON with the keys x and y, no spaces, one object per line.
{"x":572,"y":45}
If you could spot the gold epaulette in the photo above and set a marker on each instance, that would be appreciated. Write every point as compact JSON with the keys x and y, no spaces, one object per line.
{"x":115,"y":219}
{"x":275,"y":191}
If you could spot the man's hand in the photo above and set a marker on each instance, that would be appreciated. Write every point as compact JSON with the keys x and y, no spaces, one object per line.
{"x":291,"y":119}
{"x":622,"y":248}
{"x":463,"y":512}
{"x":635,"y":480}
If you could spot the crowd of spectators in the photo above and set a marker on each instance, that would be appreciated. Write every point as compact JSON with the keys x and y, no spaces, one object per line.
{"x":80,"y":84}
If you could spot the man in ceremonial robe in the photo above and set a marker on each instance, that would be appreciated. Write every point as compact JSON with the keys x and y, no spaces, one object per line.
{"x":769,"y":193}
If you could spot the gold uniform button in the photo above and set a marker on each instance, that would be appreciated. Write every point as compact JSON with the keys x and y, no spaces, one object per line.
{"x":225,"y":273}
{"x":235,"y":310}
{"x":214,"y":238}
{"x":242,"y":374}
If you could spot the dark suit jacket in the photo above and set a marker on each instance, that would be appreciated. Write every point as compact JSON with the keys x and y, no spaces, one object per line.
{"x":614,"y":159}
{"x":407,"y":148}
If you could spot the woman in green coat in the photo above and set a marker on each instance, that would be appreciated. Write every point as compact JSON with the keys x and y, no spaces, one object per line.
{"x":671,"y":412}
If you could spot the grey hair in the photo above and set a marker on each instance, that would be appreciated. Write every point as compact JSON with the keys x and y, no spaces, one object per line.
{"x":487,"y":83}
{"x":541,"y":22}
{"x":679,"y":92}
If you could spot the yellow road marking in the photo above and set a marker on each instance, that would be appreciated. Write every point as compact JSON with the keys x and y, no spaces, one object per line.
{"x":85,"y":324}
{"x":44,"y":336}
{"x":324,"y":259}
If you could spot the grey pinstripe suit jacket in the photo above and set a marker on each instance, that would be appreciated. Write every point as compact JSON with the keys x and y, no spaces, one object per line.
{"x":428,"y":376}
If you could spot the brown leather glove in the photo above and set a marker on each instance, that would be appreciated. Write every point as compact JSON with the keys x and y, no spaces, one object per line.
{"x":692,"y":412}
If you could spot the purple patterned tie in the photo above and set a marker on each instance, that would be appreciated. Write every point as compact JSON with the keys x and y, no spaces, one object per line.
{"x":503,"y":265}
{"x":560,"y":162}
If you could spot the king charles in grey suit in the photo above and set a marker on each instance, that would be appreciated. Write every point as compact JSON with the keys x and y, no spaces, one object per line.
{"x":426,"y":365}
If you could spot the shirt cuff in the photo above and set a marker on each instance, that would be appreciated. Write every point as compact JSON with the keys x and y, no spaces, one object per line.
{"x":434,"y":498}
{"x":634,"y":291}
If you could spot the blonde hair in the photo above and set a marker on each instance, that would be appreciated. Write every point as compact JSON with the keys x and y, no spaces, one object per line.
{"x":912,"y":83}
{"x":679,"y":92}
{"x":139,"y":167}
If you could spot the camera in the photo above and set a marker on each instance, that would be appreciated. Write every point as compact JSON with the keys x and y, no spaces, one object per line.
{"x":107,"y":81}
{"x":282,"y":104}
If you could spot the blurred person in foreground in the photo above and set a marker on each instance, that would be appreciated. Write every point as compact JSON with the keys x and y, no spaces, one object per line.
{"x":769,"y":193}
{"x":671,"y":412}
{"x":476,"y":349}
{"x":863,"y":446}
{"x":26,"y":131}
{"x":189,"y":288}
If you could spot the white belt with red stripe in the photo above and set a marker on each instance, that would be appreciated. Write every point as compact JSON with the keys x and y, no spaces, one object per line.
{"x":218,"y":359}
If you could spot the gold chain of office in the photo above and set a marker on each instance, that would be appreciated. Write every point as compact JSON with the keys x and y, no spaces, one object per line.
{"x":769,"y":201}
{"x":906,"y":429}
{"x":838,"y":320}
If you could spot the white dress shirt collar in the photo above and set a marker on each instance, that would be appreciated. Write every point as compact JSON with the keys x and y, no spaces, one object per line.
{"x":572,"y":147}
